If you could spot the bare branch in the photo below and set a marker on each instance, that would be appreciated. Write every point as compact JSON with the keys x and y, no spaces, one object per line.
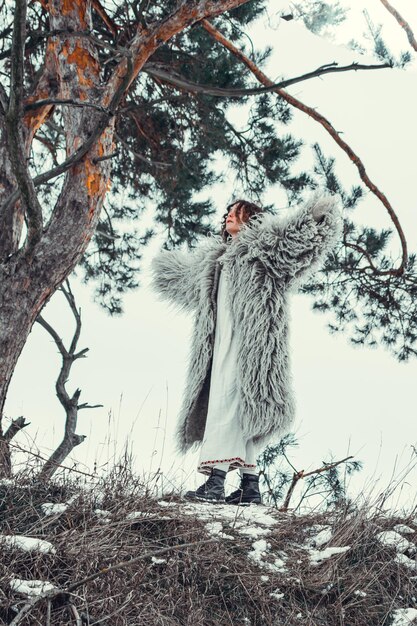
{"x":30,"y":106}
{"x":15,"y":132}
{"x":3,"y":100}
{"x":301,"y":474}
{"x":66,"y":290}
{"x":100,"y":10}
{"x":42,"y":321}
{"x":70,"y":404}
{"x":179,"y":81}
{"x":15,"y":427}
{"x":262,"y":78}
{"x":402,"y":22}
{"x":89,"y":406}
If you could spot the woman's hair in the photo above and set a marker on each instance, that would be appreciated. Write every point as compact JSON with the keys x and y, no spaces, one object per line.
{"x":245,"y":211}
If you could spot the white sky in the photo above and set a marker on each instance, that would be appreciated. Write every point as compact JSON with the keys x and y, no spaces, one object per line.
{"x":350,"y":400}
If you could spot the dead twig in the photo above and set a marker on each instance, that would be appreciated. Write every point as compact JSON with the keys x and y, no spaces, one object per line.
{"x":15,"y":427}
{"x":301,"y":474}
{"x":71,"y":404}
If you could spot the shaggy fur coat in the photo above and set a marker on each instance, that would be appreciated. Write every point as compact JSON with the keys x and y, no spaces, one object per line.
{"x":269,"y":257}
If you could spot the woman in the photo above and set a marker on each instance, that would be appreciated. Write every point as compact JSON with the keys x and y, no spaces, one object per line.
{"x":239,"y":393}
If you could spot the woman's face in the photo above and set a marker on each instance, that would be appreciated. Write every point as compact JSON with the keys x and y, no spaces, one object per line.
{"x":233,"y":221}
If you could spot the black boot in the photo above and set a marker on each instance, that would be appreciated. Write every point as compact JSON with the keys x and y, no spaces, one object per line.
{"x":212,"y":490}
{"x":248,"y":492}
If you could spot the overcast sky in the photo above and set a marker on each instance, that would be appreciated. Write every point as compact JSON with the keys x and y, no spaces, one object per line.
{"x":349,"y":400}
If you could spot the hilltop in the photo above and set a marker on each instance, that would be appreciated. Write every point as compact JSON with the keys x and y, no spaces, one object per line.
{"x":168,"y":562}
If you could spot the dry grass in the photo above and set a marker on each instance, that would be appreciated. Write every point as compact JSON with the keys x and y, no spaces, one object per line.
{"x":210,"y":584}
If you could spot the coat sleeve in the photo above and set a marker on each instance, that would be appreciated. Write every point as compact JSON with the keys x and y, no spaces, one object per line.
{"x":175,"y":277}
{"x":294,"y":247}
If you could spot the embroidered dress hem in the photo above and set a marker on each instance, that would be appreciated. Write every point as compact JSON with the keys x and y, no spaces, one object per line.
{"x":204,"y":467}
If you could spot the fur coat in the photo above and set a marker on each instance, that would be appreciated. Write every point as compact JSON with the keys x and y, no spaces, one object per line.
{"x":268,"y":258}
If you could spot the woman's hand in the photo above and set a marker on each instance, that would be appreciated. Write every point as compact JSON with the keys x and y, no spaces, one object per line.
{"x":319,"y":211}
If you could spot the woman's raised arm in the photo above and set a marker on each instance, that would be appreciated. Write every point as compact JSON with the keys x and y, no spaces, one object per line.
{"x":176,"y":276}
{"x":295,"y":246}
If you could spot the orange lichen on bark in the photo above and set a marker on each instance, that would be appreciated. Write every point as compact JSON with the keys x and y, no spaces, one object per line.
{"x":92,"y":179}
{"x":71,"y":7}
{"x":93,"y":183}
{"x":84,"y":61}
{"x":34,"y":119}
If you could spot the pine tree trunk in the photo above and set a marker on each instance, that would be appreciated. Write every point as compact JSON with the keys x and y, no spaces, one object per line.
{"x":18,"y":310}
{"x":28,"y":280}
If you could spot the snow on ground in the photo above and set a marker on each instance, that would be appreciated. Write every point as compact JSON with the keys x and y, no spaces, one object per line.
{"x":27,"y":544}
{"x":156,"y":561}
{"x":260,"y":549}
{"x":402,"y":528}
{"x":323,"y":534}
{"x":31,"y":587}
{"x":404,"y":617}
{"x":216,"y":529}
{"x":393,"y":539}
{"x":321,"y":537}
{"x":51,"y":508}
{"x":318,"y":556}
{"x":257,"y":522}
{"x":145,"y":514}
{"x":103,"y":515}
{"x":402,"y":559}
{"x":252,"y":521}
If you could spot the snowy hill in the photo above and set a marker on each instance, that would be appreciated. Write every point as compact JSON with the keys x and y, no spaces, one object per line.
{"x":113,"y":555}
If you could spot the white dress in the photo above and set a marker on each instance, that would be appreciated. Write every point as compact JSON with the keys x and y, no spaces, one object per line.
{"x":223,"y":441}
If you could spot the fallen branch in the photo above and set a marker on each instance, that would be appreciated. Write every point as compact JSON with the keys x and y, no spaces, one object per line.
{"x":262,"y":78}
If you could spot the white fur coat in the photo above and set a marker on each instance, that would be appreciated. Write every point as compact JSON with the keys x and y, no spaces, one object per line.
{"x":270,"y":256}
